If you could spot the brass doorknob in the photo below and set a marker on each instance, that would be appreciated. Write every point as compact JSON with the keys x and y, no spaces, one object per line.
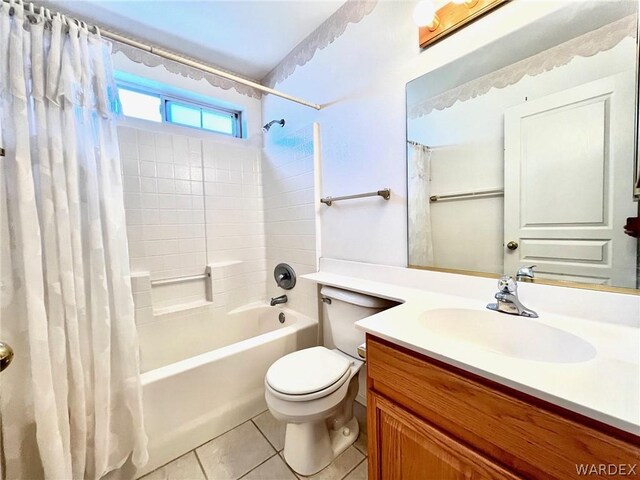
{"x":512,"y":245}
{"x":6,"y":355}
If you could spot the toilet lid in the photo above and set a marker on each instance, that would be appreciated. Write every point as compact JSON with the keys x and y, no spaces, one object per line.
{"x":307,"y":371}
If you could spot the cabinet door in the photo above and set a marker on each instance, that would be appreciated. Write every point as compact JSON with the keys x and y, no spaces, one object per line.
{"x":404,"y":447}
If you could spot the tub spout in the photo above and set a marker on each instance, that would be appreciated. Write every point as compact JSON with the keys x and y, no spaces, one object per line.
{"x":279,"y":300}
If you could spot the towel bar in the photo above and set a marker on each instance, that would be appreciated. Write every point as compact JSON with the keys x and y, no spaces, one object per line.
{"x":384,"y":193}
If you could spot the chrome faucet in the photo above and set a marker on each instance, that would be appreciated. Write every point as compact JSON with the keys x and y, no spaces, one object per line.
{"x":279,"y":300}
{"x":525,"y":273}
{"x":508,"y":301}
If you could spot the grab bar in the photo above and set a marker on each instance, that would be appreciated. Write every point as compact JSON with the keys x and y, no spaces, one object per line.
{"x":165,"y":281}
{"x":384,"y":193}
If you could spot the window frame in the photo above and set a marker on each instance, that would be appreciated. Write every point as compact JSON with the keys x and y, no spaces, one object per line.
{"x":165,"y":99}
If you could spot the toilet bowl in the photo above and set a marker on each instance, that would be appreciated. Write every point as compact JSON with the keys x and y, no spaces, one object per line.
{"x":313,"y":391}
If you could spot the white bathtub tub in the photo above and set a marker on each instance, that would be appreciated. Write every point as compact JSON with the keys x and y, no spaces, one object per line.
{"x":193,"y":399}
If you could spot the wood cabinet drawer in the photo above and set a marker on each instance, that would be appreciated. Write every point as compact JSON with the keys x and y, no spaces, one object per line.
{"x":528,"y":436}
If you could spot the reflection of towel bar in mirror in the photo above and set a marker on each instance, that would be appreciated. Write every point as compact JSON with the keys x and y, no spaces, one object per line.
{"x":494,"y":192}
{"x":384,"y":193}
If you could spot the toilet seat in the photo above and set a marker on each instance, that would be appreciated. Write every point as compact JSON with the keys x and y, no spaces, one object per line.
{"x":308,"y":374}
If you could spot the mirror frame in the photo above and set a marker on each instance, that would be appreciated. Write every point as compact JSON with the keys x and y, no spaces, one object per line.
{"x":543,"y":281}
{"x":636,"y":179}
{"x":539,"y":281}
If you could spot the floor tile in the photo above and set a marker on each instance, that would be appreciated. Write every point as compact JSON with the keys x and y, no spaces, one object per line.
{"x":360,"y":472}
{"x":271,"y":428}
{"x":234,"y":453}
{"x":342,"y":465}
{"x":182,"y":468}
{"x":272,"y":469}
{"x":361,"y":443}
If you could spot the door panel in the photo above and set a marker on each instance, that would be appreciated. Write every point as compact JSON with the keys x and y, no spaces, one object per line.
{"x":567,"y":184}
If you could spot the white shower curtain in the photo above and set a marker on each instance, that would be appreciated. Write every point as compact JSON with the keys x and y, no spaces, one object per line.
{"x":420,"y":237}
{"x":70,"y":402}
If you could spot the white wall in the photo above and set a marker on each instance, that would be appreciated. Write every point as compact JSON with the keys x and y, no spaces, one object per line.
{"x":360,"y":79}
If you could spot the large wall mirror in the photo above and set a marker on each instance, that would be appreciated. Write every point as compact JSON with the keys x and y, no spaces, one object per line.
{"x":524,"y":152}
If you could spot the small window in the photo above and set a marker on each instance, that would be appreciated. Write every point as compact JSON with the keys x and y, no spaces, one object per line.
{"x":158,"y":107}
{"x":184,"y":115}
{"x":217,"y":122}
{"x":140,"y":105}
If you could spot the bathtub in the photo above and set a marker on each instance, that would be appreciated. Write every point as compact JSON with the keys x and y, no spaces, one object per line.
{"x":189,"y":399}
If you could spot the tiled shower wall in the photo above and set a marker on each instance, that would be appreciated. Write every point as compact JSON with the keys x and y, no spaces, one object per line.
{"x":164,"y":202}
{"x":192,"y":202}
{"x":235,"y":219}
{"x":289,"y":209}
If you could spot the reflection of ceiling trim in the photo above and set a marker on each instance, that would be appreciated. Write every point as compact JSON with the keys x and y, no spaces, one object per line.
{"x":353,"y":11}
{"x":150,"y":60}
{"x":587,"y":45}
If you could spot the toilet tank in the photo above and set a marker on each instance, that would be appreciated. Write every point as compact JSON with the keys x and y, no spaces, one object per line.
{"x":342,"y":309}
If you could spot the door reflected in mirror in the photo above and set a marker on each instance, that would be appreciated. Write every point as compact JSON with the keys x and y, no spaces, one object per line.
{"x":524,"y":152}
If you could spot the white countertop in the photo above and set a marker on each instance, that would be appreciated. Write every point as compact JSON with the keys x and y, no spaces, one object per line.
{"x":605,"y":387}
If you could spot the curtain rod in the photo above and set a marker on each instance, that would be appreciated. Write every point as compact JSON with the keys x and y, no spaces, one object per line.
{"x":418,"y":144}
{"x":178,"y":58}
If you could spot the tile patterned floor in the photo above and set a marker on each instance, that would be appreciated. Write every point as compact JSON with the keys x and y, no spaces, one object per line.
{"x":253,"y":451}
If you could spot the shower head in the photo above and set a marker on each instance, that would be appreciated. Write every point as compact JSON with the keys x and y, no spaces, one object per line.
{"x":266,"y":128}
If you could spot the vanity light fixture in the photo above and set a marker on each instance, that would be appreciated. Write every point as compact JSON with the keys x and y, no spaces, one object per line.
{"x":435,"y":24}
{"x":468,"y":3}
{"x":424,"y":15}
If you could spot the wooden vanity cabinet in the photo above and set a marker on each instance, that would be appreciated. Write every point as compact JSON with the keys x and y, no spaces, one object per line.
{"x":428,"y":420}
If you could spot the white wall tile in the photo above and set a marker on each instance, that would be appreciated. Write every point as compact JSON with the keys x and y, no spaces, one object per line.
{"x":164,"y":179}
{"x":289,"y":213}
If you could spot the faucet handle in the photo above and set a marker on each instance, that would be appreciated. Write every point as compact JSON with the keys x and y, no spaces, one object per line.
{"x":525,"y":272}
{"x":507,"y":284}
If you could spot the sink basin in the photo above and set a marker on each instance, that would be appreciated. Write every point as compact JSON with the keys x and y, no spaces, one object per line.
{"x":508,"y":335}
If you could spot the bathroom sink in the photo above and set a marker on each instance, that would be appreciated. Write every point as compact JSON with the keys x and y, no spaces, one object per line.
{"x":508,"y":335}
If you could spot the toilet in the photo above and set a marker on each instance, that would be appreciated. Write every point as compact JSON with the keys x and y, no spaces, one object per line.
{"x":313,"y":390}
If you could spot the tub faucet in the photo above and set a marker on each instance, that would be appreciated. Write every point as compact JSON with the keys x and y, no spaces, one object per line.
{"x":508,"y":301}
{"x":279,"y":300}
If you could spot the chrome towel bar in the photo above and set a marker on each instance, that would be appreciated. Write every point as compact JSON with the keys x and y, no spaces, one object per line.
{"x":384,"y":193}
{"x":495,"y":192}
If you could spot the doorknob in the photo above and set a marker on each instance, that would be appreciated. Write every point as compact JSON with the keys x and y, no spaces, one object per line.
{"x":512,"y":245}
{"x":6,"y":355}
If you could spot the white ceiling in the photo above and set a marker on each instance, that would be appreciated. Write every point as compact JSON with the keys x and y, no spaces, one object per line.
{"x":249,"y":37}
